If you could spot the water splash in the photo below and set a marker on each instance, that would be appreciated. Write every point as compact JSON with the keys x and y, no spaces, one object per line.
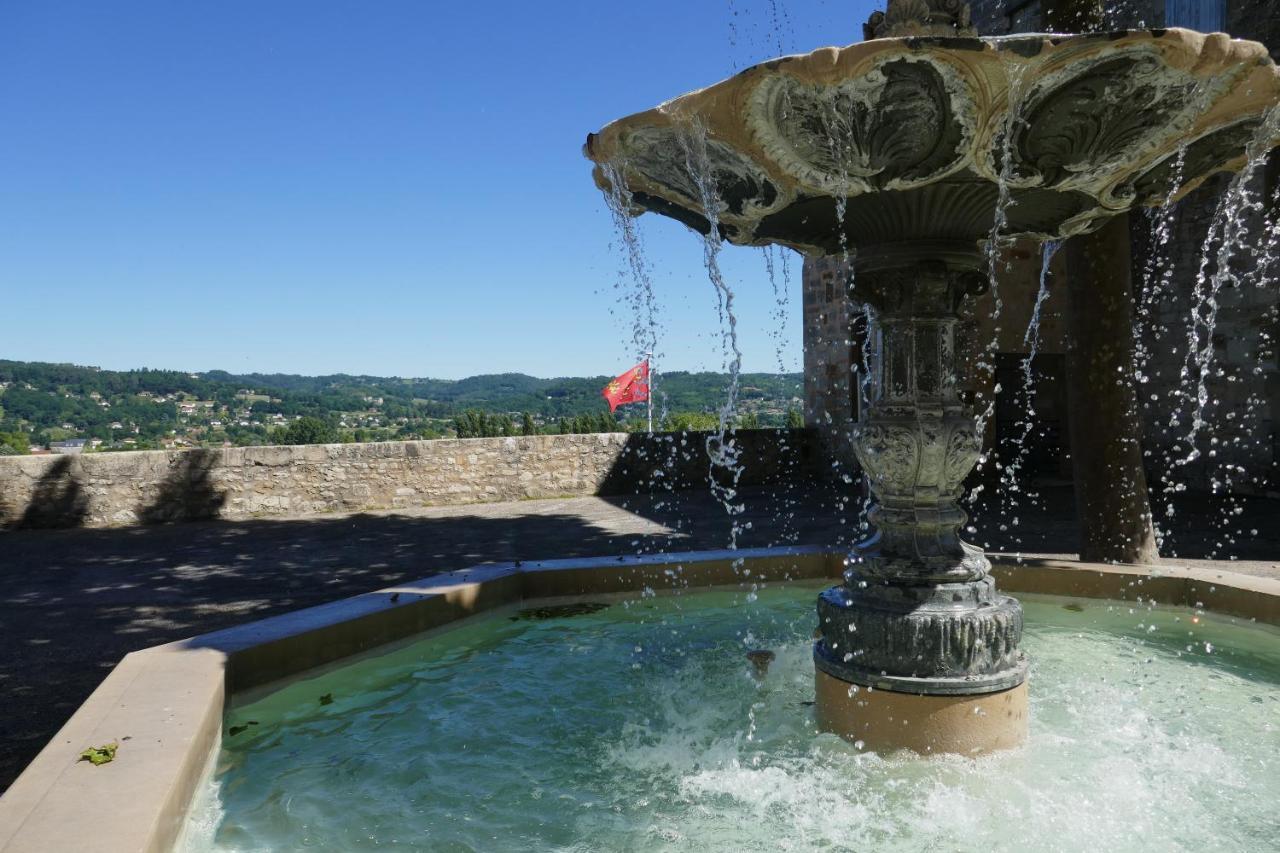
{"x":1227,"y":238}
{"x":783,"y":501}
{"x":639,"y":295}
{"x":996,"y":240}
{"x":725,"y":453}
{"x":772,"y":27}
{"x":1157,"y":275}
{"x":636,"y":291}
{"x":1010,"y":470}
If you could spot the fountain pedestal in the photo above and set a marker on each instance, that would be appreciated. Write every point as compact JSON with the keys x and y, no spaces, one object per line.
{"x":918,"y":650}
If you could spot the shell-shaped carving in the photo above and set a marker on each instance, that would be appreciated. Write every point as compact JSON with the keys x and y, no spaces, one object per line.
{"x":815,"y":151}
{"x":963,"y":450}
{"x":890,"y":454}
{"x":1202,"y":156}
{"x":904,"y":122}
{"x":1106,"y":115}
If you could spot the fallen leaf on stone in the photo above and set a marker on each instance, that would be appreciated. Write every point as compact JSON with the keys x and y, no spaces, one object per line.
{"x":96,"y":755}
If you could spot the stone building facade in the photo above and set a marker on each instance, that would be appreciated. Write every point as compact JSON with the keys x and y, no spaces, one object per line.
{"x":1244,"y":382}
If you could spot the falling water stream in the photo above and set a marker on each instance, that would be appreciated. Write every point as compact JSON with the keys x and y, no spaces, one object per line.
{"x":1227,"y":246}
{"x":723,"y":449}
{"x":635,"y":283}
{"x":1011,"y":483}
{"x":997,"y":240}
{"x":783,"y":501}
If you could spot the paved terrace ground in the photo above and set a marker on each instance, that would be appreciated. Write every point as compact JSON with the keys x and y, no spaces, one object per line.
{"x":75,"y":601}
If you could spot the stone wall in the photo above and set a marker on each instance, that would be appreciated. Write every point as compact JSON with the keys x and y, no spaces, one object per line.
{"x":109,"y":489}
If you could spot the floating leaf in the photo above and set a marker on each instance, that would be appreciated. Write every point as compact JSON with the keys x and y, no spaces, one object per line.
{"x":1073,"y":607}
{"x":96,"y":755}
{"x":326,"y":699}
{"x":235,"y":730}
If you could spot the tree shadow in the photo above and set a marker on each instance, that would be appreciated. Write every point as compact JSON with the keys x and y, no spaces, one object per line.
{"x":187,"y":492}
{"x":77,"y":601}
{"x":58,"y":499}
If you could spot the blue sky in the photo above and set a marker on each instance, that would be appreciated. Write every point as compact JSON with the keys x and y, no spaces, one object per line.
{"x":388,"y":188}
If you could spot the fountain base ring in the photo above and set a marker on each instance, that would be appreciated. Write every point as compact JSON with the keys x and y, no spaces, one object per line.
{"x":887,"y":721}
{"x":959,"y":685}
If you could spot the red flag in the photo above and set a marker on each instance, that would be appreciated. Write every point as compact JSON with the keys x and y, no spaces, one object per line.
{"x":630,"y":387}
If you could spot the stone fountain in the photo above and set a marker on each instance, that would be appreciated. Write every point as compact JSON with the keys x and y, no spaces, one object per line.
{"x":908,"y":155}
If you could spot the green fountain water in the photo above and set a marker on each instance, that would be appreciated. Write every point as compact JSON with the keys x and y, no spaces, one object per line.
{"x":642,"y":726}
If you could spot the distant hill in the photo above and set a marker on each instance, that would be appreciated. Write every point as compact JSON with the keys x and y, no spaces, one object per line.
{"x":143,"y":407}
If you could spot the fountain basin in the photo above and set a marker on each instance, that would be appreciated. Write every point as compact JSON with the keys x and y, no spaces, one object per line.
{"x":641,"y":725}
{"x":170,"y":700}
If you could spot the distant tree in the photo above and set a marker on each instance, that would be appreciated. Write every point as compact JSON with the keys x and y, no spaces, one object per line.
{"x":795,"y":420}
{"x":690,"y":422}
{"x":467,"y":424}
{"x":54,"y":434}
{"x":750,"y":420}
{"x":309,"y":430}
{"x":16,"y":443}
{"x":474,"y":423}
{"x":527,"y":426}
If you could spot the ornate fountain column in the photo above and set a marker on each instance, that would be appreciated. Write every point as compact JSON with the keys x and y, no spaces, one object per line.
{"x":917,"y":649}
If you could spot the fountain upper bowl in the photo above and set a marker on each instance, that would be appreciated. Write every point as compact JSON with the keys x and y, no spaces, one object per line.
{"x":913,"y":142}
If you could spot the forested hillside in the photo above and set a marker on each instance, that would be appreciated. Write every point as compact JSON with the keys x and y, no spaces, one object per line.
{"x":42,"y":403}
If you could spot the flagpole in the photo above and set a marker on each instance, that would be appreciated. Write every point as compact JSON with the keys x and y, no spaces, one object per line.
{"x":648,"y":369}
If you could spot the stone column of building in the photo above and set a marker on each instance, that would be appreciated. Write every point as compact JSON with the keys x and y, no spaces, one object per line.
{"x":831,"y":356}
{"x":1112,"y":505}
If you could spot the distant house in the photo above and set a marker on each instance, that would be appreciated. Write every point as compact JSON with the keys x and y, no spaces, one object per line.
{"x":69,"y":447}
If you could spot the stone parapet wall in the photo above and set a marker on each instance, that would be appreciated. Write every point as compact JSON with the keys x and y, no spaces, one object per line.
{"x":111,"y":489}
